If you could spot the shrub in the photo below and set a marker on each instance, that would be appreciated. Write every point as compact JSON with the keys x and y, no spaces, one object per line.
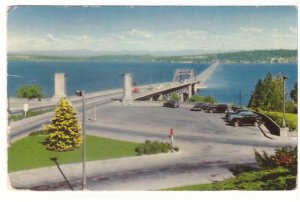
{"x":284,"y":156}
{"x":291,"y":125}
{"x":153,"y":147}
{"x":239,"y":169}
{"x":277,"y":118}
{"x":198,"y":98}
{"x":291,"y":107}
{"x":277,"y":172}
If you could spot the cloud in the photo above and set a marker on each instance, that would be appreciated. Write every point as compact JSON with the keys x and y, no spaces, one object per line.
{"x":138,"y":33}
{"x":130,"y":35}
{"x":293,"y":29}
{"x":172,"y":40}
{"x":251,"y":30}
{"x":50,"y":37}
{"x":78,"y":38}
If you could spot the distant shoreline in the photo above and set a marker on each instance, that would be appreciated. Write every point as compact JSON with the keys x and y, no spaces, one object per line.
{"x":241,"y":57}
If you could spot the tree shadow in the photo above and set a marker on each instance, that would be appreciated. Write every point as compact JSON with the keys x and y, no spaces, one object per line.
{"x":54,"y":159}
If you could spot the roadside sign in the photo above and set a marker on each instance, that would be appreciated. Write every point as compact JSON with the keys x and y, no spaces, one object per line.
{"x":25,"y":107}
{"x":171,"y":132}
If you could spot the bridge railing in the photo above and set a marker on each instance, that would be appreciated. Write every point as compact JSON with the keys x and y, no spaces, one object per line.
{"x":160,"y":102}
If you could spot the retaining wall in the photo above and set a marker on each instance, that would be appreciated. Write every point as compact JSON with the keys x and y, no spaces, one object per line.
{"x":272,"y":126}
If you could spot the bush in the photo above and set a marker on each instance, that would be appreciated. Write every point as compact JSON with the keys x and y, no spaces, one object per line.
{"x":198,"y":98}
{"x":277,"y":172}
{"x":291,"y":107}
{"x":284,"y":156}
{"x":239,"y":169}
{"x":277,"y":118}
{"x":153,"y":147}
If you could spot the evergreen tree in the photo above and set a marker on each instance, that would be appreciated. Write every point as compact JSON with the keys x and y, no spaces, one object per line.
{"x":64,"y":130}
{"x":277,"y":94}
{"x":257,"y":96}
{"x":294,"y":93}
{"x":268,"y":94}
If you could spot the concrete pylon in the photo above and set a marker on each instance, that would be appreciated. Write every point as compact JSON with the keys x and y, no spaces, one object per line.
{"x":127,"y":90}
{"x":60,"y":86}
{"x":190,"y":91}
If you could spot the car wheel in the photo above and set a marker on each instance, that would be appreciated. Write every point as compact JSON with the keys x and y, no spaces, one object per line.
{"x":236,"y":124}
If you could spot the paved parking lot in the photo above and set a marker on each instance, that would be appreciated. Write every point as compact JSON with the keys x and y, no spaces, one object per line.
{"x":160,"y":119}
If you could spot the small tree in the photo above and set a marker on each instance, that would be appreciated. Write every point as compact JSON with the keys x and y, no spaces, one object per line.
{"x":267,"y":94}
{"x":209,"y":99}
{"x":175,"y":96}
{"x":64,"y":130}
{"x":30,"y":91}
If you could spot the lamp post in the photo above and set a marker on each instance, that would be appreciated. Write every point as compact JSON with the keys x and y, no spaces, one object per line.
{"x":283,"y":106}
{"x":81,"y":94}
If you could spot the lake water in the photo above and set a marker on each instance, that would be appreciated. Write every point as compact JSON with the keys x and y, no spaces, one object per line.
{"x":226,"y":84}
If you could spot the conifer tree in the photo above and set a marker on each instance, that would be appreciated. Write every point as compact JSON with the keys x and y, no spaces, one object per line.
{"x":268,"y":94}
{"x":64,"y":130}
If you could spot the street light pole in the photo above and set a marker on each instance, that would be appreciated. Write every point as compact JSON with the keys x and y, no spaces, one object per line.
{"x":84,"y":185}
{"x":283,"y":106}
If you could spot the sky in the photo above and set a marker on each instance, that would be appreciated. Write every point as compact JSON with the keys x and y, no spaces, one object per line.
{"x":151,"y":28}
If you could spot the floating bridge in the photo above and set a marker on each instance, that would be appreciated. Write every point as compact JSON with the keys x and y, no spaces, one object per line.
{"x":185,"y":83}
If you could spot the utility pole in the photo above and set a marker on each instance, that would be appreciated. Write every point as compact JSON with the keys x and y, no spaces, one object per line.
{"x":84,"y":185}
{"x":240,"y":97}
{"x":283,"y":101}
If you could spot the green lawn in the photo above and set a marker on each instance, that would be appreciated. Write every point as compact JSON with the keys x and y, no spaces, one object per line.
{"x":29,"y":152}
{"x":291,"y":119}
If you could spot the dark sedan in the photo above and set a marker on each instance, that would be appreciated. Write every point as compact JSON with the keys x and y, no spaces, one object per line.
{"x":220,"y":108}
{"x":171,"y":103}
{"x":246,"y":118}
{"x":200,"y":106}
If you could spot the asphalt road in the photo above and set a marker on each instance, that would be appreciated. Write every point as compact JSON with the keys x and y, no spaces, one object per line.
{"x":207,"y":148}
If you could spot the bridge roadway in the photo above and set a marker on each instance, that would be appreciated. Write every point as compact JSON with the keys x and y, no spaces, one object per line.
{"x":21,"y":128}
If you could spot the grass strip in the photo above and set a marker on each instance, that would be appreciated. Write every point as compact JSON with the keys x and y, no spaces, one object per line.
{"x":29,"y":152}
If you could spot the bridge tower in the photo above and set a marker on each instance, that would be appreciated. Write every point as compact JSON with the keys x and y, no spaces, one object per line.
{"x":60,"y":86}
{"x":182,"y":75}
{"x":127,"y":89}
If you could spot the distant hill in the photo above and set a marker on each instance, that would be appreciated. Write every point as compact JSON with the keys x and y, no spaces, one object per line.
{"x":256,"y":56}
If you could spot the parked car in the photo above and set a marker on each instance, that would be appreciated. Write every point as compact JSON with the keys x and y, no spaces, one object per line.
{"x":200,"y":106}
{"x":245,"y":118}
{"x":171,"y":103}
{"x":220,"y":108}
{"x":237,"y":111}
